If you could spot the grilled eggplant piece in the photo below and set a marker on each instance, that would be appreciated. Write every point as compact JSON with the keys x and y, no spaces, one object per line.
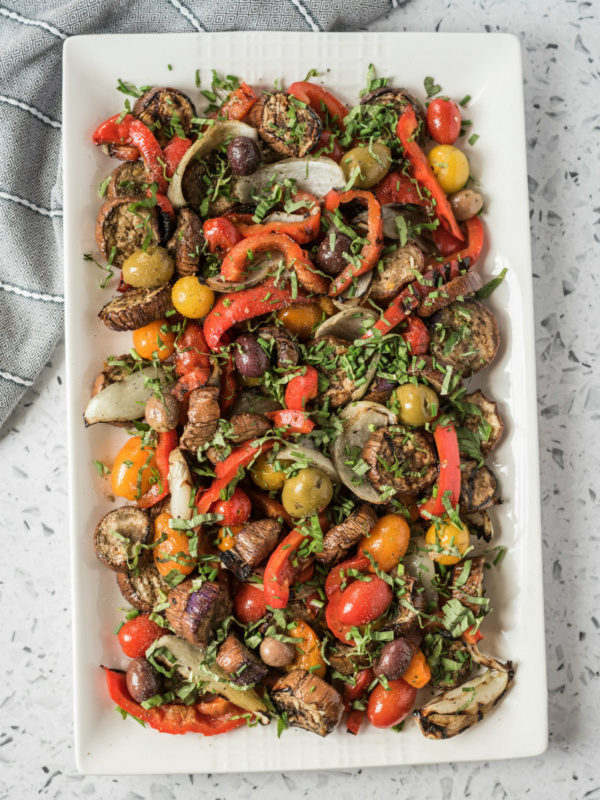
{"x":308,"y":701}
{"x":403,"y":458}
{"x":203,"y":418}
{"x":136,"y":308}
{"x":465,"y":335}
{"x":400,"y":99}
{"x":480,"y":525}
{"x":471,"y":586}
{"x":344,"y":536}
{"x":343,"y":386}
{"x":187,"y":243}
{"x":460,"y":287}
{"x":287,"y":128}
{"x":195,"y":615}
{"x":128,"y":180}
{"x":477,"y":487}
{"x":488,"y":413}
{"x":144,"y":588}
{"x":240,"y":663}
{"x":160,"y":107}
{"x":345,"y":660}
{"x":380,"y":391}
{"x":253,"y":544}
{"x":287,"y":350}
{"x":456,"y":710}
{"x":248,"y":426}
{"x":119,"y":227}
{"x":433,"y":374}
{"x":405,"y":623}
{"x":399,"y":269}
{"x":119,"y":536}
{"x":197,"y":182}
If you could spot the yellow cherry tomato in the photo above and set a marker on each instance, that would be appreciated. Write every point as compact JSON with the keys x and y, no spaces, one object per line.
{"x":132,"y":469}
{"x":192,"y":298}
{"x":446,"y":542}
{"x":150,"y":339}
{"x":174,"y":552}
{"x":308,"y":651}
{"x":226,"y":537}
{"x":265,"y":475}
{"x":450,"y":166}
{"x":387,"y":541}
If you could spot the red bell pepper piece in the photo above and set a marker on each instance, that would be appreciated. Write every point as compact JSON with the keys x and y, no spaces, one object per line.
{"x":397,"y":187}
{"x":421,"y":171}
{"x":302,"y":231}
{"x":123,"y":287}
{"x":158,"y":491}
{"x":191,"y":350}
{"x":208,"y":718}
{"x":471,"y":636}
{"x":238,"y":104}
{"x":293,"y":420}
{"x":132,"y":131}
{"x":302,"y":388}
{"x":448,"y":485}
{"x":268,"y":506}
{"x":241,"y":256}
{"x":280,"y":570}
{"x":239,"y":306}
{"x":190,"y":381}
{"x":330,"y":110}
{"x":221,"y":235}
{"x":445,"y":242}
{"x":416,"y":336}
{"x":369,"y":255}
{"x":355,"y":720}
{"x":173,"y":153}
{"x":165,"y":205}
{"x":472,"y":250}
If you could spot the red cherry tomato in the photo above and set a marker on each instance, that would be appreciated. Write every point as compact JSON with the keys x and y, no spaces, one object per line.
{"x":191,"y":350}
{"x":443,"y":120}
{"x":388,"y":707}
{"x":249,"y":604}
{"x":364,"y":601}
{"x":137,"y":634}
{"x":236,"y":510}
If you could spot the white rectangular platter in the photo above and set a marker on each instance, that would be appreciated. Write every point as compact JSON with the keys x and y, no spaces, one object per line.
{"x":485,"y":66}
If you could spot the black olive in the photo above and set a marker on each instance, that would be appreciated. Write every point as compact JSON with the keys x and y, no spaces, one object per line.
{"x":243,"y":155}
{"x":393,"y":660}
{"x":251,"y":361}
{"x":143,"y":681}
{"x":332,"y":261}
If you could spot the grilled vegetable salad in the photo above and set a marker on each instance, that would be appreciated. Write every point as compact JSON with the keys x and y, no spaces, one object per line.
{"x":303,"y":460}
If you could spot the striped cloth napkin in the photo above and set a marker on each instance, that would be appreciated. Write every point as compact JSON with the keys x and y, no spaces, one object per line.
{"x":31,"y":36}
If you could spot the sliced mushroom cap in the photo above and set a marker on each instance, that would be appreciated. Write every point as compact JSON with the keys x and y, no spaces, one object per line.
{"x":477,"y":487}
{"x":119,"y":537}
{"x":136,"y":308}
{"x":161,"y":108}
{"x":403,"y":458}
{"x":203,"y":418}
{"x":128,"y":180}
{"x":124,"y":229}
{"x":346,"y":660}
{"x":442,"y":378}
{"x":318,"y":176}
{"x":465,"y":335}
{"x":342,"y":538}
{"x":357,"y":293}
{"x":485,"y":411}
{"x":290,"y":129}
{"x":456,"y":289}
{"x":287,"y":350}
{"x":399,"y":269}
{"x":308,"y":701}
{"x":187,"y":243}
{"x":450,"y":661}
{"x":120,"y":395}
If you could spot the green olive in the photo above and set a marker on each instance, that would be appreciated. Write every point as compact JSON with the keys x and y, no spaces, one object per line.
{"x":148,"y":269}
{"x":309,"y":492}
{"x":373,"y":163}
{"x":416,"y":404}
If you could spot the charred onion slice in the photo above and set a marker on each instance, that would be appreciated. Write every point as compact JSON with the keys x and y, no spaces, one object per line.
{"x":318,"y":176}
{"x":125,"y":396}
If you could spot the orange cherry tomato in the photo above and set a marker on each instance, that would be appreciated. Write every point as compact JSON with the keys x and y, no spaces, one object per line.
{"x":133,"y":469}
{"x":226,"y":537}
{"x":174,"y":552}
{"x":387,"y":542}
{"x":150,"y":339}
{"x":388,"y":707}
{"x":249,"y":604}
{"x":301,"y":321}
{"x":308,"y":652}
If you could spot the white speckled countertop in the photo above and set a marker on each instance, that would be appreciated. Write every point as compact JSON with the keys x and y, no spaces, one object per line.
{"x":561,"y":49}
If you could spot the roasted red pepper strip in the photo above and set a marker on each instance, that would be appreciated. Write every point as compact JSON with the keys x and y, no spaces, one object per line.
{"x":165,"y":205}
{"x":242,"y":255}
{"x":293,"y":420}
{"x":474,"y":246}
{"x":279,"y":572}
{"x":221,"y":235}
{"x":207,"y":718}
{"x":327,"y":107}
{"x":302,"y":231}
{"x":166,"y":442}
{"x":238,"y":104}
{"x":267,"y":505}
{"x":190,"y":381}
{"x":302,"y":388}
{"x":174,"y":152}
{"x":247,"y":304}
{"x":472,"y":638}
{"x":421,"y":171}
{"x":132,"y":131}
{"x":416,"y":336}
{"x":355,"y":720}
{"x":369,"y":255}
{"x":445,"y":242}
{"x":397,"y":187}
{"x":448,"y":484}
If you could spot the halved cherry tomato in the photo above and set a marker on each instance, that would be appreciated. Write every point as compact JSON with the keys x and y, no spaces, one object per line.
{"x":132,"y":469}
{"x":443,"y":120}
{"x":388,"y":707}
{"x":249,"y":603}
{"x":174,"y":552}
{"x":137,"y":634}
{"x":150,"y":339}
{"x":235,"y":511}
{"x":191,"y":350}
{"x":387,"y":541}
{"x":364,"y":601}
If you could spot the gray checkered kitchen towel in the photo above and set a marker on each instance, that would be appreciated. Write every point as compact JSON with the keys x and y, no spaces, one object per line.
{"x":31,"y":36}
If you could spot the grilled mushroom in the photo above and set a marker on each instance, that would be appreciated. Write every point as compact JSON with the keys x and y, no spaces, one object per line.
{"x":405,"y":622}
{"x":124,"y":229}
{"x":163,"y":110}
{"x":203,"y":418}
{"x":399,"y":269}
{"x":187,"y":243}
{"x":248,"y":426}
{"x":286,"y":348}
{"x":460,"y":287}
{"x":127,"y":180}
{"x":346,"y":660}
{"x":119,"y":537}
{"x":253,"y":544}
{"x":477,"y":487}
{"x":308,"y":701}
{"x":400,"y":100}
{"x":441,"y":377}
{"x":240,"y":663}
{"x":344,"y":536}
{"x":136,"y":308}
{"x":485,"y":411}
{"x":467,"y":583}
{"x":465,"y":335}
{"x":400,"y":457}
{"x":380,"y":391}
{"x":288,"y":128}
{"x":335,"y":370}
{"x":194,"y":615}
{"x":144,"y":588}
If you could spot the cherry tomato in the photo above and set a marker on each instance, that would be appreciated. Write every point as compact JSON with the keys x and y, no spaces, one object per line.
{"x":132,"y":470}
{"x":388,"y":707}
{"x":249,"y":604}
{"x":137,"y":634}
{"x":387,"y":542}
{"x":443,"y":120}
{"x":191,"y":350}
{"x":364,"y":601}
{"x":235,"y":511}
{"x":176,"y":545}
{"x":150,"y":339}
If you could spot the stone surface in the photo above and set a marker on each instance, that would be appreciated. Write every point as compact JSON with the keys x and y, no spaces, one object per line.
{"x":561,"y":46}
